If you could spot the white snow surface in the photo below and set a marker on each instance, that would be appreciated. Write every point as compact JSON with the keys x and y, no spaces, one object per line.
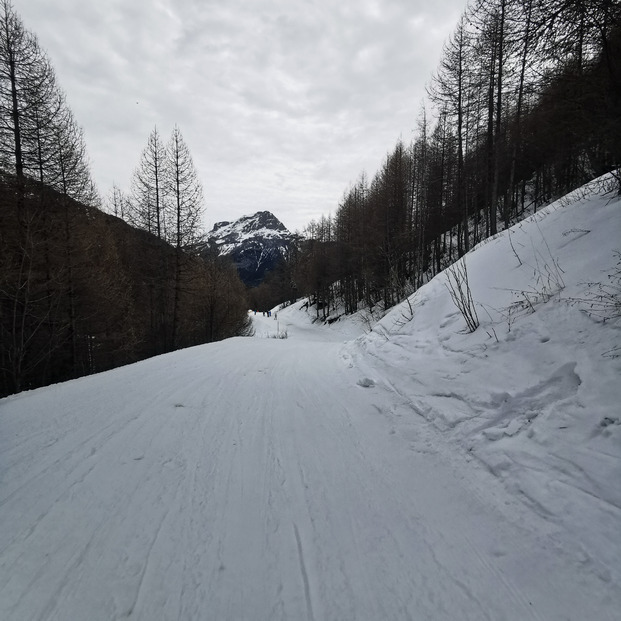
{"x":411,"y":472}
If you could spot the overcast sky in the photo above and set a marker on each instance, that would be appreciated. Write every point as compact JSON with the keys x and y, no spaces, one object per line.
{"x":283,"y":103}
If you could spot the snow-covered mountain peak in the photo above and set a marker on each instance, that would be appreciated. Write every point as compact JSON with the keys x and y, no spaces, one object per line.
{"x":261,"y":224}
{"x":255,"y":243}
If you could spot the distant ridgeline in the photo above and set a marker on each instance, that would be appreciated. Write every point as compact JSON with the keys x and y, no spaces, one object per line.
{"x":256,"y":244}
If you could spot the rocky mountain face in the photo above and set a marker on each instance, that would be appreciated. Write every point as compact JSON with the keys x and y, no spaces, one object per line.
{"x":255,"y":244}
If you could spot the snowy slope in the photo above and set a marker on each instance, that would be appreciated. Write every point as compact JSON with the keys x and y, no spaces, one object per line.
{"x":533,"y":395}
{"x":414,"y":472}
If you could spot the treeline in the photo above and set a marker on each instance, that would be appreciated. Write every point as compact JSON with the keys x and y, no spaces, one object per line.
{"x":526,"y":106}
{"x":82,"y":291}
{"x":165,"y":196}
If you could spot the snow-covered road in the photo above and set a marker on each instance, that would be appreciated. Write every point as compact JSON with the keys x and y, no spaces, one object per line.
{"x":259,"y":479}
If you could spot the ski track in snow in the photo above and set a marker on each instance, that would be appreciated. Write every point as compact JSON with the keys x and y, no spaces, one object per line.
{"x":256,"y":481}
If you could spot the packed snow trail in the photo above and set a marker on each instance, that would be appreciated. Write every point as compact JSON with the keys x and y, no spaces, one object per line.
{"x":255,"y":479}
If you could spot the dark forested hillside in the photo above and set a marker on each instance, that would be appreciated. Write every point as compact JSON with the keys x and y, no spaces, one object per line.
{"x":82,"y":291}
{"x":525,"y":106}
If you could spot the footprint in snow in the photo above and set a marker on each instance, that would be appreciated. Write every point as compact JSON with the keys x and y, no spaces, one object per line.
{"x":366,"y":382}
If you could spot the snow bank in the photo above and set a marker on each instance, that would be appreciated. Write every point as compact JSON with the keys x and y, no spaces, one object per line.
{"x":533,"y":394}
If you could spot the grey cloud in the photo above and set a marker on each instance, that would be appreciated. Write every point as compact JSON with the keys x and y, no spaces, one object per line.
{"x":282,"y":103}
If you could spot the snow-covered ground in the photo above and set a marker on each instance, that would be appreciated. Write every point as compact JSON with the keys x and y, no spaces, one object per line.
{"x":411,"y":472}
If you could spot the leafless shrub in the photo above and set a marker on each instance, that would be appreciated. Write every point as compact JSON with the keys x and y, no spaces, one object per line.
{"x":459,"y":290}
{"x":606,"y":184}
{"x":405,"y":315}
{"x":602,"y":300}
{"x":513,"y":249}
{"x":548,"y":281}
